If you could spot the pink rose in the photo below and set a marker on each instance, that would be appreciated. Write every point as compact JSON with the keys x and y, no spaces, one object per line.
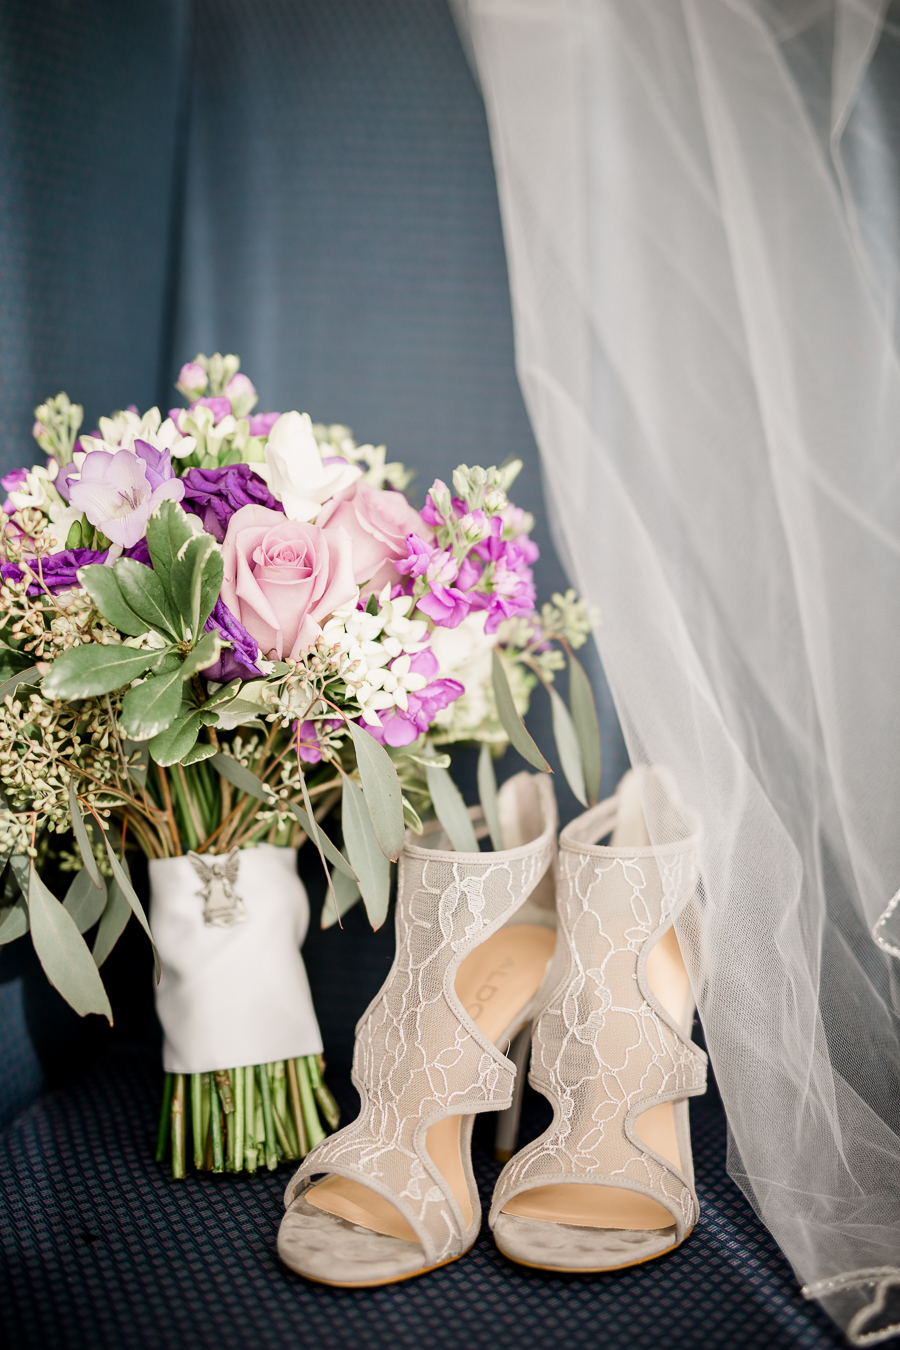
{"x":284,"y":577}
{"x":377,"y":523}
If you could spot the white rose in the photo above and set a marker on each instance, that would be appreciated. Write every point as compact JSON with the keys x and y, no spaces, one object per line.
{"x":294,"y":470}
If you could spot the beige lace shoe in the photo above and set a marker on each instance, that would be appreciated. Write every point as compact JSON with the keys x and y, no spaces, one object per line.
{"x":611,"y":1182}
{"x":399,"y":1197}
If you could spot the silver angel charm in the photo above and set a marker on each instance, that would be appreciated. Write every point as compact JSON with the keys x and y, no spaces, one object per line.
{"x":222,"y":906}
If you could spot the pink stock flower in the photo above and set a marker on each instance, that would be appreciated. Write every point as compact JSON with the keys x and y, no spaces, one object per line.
{"x":119,"y":493}
{"x":284,"y":577}
{"x":511,"y":581}
{"x":262,"y":423}
{"x":399,"y":727}
{"x":241,"y":394}
{"x":192,"y":379}
{"x":309,"y":742}
{"x":219,"y":407}
{"x":447,"y":604}
{"x":379,"y":524}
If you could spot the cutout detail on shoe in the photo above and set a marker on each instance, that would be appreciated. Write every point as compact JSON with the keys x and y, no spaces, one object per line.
{"x":615,"y":1207}
{"x":495,"y":983}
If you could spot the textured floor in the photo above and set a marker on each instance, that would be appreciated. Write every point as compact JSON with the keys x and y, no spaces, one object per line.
{"x":101,"y":1251}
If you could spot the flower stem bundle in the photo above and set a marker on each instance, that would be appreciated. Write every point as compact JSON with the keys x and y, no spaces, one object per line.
{"x":244,"y":1119}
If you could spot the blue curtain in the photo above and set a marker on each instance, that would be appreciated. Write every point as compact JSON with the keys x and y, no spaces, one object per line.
{"x":309,"y":185}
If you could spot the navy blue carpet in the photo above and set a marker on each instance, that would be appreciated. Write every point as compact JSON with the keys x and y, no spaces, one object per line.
{"x":102,"y":1251}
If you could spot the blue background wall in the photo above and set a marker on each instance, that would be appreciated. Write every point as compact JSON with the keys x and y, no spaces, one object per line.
{"x":308,"y":184}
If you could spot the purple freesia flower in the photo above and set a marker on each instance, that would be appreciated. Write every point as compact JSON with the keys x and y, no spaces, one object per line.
{"x":59,"y":570}
{"x":215,"y":494}
{"x":238,"y":660}
{"x":309,"y":742}
{"x":402,"y":728}
{"x":262,"y":423}
{"x":118,"y":493}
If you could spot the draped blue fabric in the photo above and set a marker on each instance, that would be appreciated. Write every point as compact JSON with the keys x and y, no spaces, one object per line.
{"x":308,"y":185}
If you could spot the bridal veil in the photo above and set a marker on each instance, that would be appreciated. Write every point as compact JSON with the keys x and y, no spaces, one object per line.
{"x":702,"y":221}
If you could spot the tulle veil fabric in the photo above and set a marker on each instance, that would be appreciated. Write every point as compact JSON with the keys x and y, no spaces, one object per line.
{"x":700,"y":208}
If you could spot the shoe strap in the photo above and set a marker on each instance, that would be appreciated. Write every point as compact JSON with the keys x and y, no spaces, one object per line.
{"x":419,"y":1057}
{"x":604,"y":1048}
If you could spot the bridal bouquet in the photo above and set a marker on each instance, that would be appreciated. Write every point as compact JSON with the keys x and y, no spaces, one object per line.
{"x":217,"y":628}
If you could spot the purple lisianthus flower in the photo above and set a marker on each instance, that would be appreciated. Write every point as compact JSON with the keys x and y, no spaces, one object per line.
{"x":399,"y":727}
{"x":219,"y":407}
{"x":238,"y":660}
{"x":308,"y":739}
{"x":58,"y":570}
{"x":215,"y":494}
{"x":118,"y":493}
{"x":262,"y":423}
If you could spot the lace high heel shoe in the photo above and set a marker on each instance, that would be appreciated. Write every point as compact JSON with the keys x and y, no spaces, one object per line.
{"x":610,"y":1183}
{"x":399,"y":1197}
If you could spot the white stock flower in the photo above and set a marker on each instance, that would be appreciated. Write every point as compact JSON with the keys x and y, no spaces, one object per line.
{"x":294,"y":470}
{"x":464,"y":654}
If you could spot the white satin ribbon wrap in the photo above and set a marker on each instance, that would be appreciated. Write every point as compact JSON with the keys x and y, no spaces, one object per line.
{"x":233,"y":996}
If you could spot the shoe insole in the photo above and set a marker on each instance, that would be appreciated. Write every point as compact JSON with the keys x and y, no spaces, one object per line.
{"x":495,"y":983}
{"x":589,"y":1206}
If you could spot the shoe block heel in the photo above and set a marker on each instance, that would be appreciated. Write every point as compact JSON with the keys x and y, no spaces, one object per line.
{"x":506,"y":1137}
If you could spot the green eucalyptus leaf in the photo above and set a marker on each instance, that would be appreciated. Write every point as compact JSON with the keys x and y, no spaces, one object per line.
{"x":567,"y":747}
{"x":20,"y":867}
{"x":411,"y":816}
{"x":82,"y":839}
{"x":512,"y":722}
{"x":63,"y":953}
{"x":84,"y":900}
{"x":137,"y":771}
{"x":450,"y":810}
{"x":201,"y":655}
{"x":23,"y":677}
{"x":102,"y":585}
{"x":13,"y":920}
{"x":369,"y":863}
{"x":346,"y":894}
{"x":487,"y":795}
{"x":112,"y":923}
{"x":333,"y":855}
{"x":382,"y":789}
{"x":144,"y":592}
{"x":150,"y":707}
{"x":123,"y":881}
{"x":584,"y":715}
{"x":242,"y":778}
{"x":85,"y":672}
{"x":315,"y":834}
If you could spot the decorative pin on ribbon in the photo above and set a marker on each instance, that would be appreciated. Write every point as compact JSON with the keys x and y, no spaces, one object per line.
{"x":222,"y":906}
